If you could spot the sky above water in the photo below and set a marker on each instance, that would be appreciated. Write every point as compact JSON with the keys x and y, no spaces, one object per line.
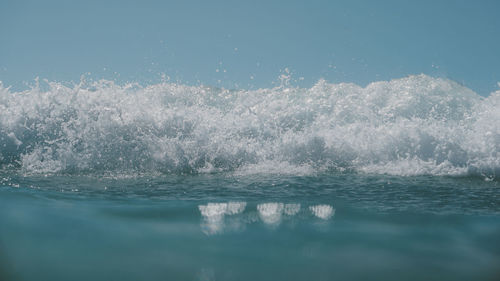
{"x":249,"y":44}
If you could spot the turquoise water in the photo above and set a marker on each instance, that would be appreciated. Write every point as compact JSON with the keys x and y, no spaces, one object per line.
{"x":217,"y":227}
{"x":394,"y":181}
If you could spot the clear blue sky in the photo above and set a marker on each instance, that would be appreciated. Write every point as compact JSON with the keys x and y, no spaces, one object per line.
{"x":341,"y":41}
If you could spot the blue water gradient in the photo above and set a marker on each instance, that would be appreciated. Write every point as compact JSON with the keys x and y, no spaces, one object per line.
{"x":216,"y":227}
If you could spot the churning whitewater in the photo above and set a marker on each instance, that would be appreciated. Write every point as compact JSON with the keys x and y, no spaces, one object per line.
{"x":418,"y":125}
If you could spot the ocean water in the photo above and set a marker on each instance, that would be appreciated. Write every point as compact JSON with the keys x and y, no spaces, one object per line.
{"x":397,"y":180}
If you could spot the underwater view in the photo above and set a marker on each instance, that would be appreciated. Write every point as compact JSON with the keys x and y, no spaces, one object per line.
{"x":340,"y":175}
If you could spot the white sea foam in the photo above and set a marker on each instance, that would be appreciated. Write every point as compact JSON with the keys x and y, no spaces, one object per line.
{"x":410,"y":126}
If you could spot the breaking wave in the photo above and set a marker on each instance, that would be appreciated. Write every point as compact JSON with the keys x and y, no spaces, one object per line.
{"x":418,"y":125}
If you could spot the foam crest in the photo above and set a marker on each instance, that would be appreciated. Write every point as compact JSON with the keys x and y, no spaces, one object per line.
{"x":410,"y":126}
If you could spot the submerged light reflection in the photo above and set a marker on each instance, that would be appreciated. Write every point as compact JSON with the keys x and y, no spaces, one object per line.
{"x":213,"y":215}
{"x":270,"y":213}
{"x":218,"y":218}
{"x":323,"y":212}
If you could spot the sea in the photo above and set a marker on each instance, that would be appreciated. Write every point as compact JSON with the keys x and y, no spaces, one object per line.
{"x":395,"y":180}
